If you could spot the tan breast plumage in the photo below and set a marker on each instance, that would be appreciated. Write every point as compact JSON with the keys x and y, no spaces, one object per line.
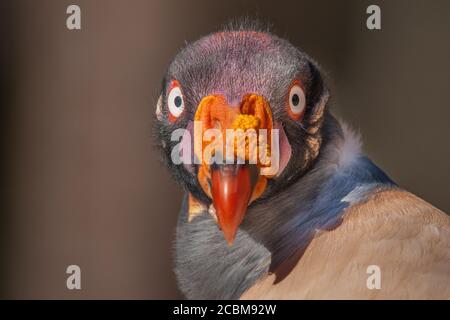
{"x":406,"y":237}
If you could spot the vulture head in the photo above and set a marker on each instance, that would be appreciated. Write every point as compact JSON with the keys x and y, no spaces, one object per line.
{"x":245,"y":80}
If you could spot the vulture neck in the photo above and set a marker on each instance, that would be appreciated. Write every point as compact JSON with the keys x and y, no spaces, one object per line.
{"x":276,"y":231}
{"x":341,"y":177}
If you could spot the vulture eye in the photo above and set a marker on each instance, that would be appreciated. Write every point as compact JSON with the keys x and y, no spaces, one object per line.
{"x":296,"y":103}
{"x":175,"y":101}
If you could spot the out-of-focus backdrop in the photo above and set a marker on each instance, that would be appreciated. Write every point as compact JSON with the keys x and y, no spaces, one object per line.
{"x":82,"y":182}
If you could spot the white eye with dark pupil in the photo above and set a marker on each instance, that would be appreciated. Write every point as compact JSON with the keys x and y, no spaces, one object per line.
{"x":296,"y":100}
{"x":175,"y":102}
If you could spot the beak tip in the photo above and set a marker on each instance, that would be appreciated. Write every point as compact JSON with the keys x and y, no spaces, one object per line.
{"x":229,"y":239}
{"x":229,"y":234}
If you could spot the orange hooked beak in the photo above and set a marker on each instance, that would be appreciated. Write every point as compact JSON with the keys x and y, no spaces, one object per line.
{"x":232,"y":185}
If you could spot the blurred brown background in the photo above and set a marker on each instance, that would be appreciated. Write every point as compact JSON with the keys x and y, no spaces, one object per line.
{"x":82,"y":181}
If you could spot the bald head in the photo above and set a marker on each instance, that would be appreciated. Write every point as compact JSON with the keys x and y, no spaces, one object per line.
{"x":229,"y":66}
{"x":234,"y":63}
